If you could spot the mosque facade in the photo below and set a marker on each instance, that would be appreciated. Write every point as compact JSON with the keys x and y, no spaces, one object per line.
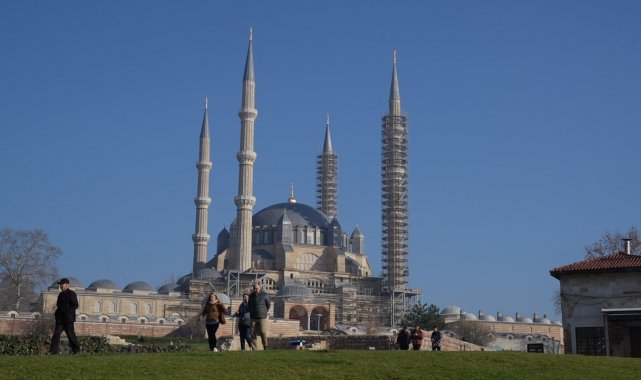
{"x":316,"y":272}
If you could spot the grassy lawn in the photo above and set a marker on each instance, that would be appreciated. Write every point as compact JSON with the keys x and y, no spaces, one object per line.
{"x":292,"y":364}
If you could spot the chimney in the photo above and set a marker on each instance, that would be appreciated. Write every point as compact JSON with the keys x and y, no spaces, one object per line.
{"x":626,"y":246}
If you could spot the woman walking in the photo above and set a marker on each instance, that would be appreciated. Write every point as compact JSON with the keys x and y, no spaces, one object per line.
{"x":214,"y":315}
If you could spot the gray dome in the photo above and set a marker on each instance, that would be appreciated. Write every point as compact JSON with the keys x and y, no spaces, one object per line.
{"x":487,"y":317}
{"x":295,"y":290}
{"x":468,"y":316}
{"x":207,"y":274}
{"x":104,"y":283}
{"x":557,"y":323}
{"x":451,"y":310}
{"x":545,"y":321}
{"x":300,"y":215}
{"x":138,"y":285}
{"x":527,"y":320}
{"x":170,"y":287}
{"x":507,"y":318}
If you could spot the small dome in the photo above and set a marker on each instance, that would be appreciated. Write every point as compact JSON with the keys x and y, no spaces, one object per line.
{"x":207,"y":274}
{"x":295,"y":290}
{"x":170,"y":287}
{"x":545,"y":321}
{"x":527,"y":320}
{"x":468,"y":316}
{"x":487,"y":317}
{"x":104,"y":284}
{"x":557,"y":323}
{"x":138,"y":285}
{"x":451,"y":310}
{"x":507,"y":318}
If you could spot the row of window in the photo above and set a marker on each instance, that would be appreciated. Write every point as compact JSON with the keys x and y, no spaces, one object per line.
{"x":111,"y":308}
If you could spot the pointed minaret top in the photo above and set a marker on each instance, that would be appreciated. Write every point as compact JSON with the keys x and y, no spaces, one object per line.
{"x":204,"y":131}
{"x":249,"y":64}
{"x":327,"y":146}
{"x":292,"y":198}
{"x":394,"y":92}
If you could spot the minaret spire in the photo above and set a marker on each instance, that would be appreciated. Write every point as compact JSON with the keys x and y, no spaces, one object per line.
{"x":202,"y":200}
{"x":394,"y":199}
{"x":292,"y":197}
{"x":327,"y":177}
{"x":246,"y":156}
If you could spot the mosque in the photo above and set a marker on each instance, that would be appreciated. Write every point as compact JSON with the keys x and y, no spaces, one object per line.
{"x":317,"y":274}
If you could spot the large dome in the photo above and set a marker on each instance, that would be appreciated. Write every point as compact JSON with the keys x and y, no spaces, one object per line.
{"x":138,"y":285}
{"x":299,"y":214}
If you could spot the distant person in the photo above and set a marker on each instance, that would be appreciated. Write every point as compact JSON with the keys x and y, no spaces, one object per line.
{"x":214,"y":315}
{"x":258,"y":307}
{"x":244,"y":323}
{"x":436,"y":339}
{"x":403,"y":339}
{"x":417,"y":337}
{"x":65,"y":315}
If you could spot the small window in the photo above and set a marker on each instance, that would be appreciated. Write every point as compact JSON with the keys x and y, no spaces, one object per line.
{"x":103,"y":319}
{"x":142,"y":321}
{"x":36,"y":316}
{"x":291,"y":275}
{"x":179,"y":323}
{"x":123,"y":320}
{"x":161,"y":322}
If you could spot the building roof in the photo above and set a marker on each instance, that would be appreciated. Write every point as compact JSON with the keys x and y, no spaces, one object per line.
{"x":300,"y":215}
{"x":104,"y":283}
{"x":616,"y":262}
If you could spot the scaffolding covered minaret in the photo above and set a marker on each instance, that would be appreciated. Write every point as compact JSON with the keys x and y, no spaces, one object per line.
{"x":202,"y":200}
{"x":394,"y":193}
{"x":327,"y":177}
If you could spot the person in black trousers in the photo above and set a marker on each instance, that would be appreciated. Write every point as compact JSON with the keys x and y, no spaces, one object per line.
{"x":244,"y":323}
{"x":65,"y":315}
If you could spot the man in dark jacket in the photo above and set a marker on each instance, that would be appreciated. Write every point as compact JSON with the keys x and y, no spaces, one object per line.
{"x":65,"y":315}
{"x":258,"y":307}
{"x":403,"y":339}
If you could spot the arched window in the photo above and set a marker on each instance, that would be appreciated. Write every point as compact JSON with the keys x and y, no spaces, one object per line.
{"x":112,"y":307}
{"x":134,"y":308}
{"x":97,"y":307}
{"x":147,"y":309}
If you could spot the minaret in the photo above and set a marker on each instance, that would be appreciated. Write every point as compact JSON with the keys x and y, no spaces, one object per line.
{"x":245,"y":201}
{"x":202,"y":200}
{"x":327,"y":177}
{"x":394,"y":191}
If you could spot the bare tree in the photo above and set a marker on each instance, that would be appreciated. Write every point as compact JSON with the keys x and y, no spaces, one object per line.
{"x":612,"y":242}
{"x":27,"y":261}
{"x":473,"y":332}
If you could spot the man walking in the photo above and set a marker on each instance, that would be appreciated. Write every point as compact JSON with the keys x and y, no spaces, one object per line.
{"x":258,"y":305}
{"x":65,"y":315}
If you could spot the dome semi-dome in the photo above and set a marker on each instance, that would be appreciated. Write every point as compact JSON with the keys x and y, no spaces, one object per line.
{"x":298,"y":213}
{"x":507,"y":318}
{"x":487,"y":317}
{"x":103,"y":283}
{"x":207,"y":274}
{"x":468,"y":316}
{"x":527,"y":320}
{"x":138,"y":285}
{"x":170,"y":287}
{"x":295,"y":290}
{"x":451,"y":310}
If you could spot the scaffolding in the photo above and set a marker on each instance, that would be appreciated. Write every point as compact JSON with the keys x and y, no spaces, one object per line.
{"x":327,"y":178}
{"x":394,"y":202}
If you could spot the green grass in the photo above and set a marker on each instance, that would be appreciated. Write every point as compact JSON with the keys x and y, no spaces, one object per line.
{"x":292,"y":364}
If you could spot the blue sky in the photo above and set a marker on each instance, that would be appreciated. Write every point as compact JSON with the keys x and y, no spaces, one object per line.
{"x":524,"y":125}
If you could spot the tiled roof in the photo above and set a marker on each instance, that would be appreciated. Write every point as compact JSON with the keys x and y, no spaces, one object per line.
{"x":616,"y":262}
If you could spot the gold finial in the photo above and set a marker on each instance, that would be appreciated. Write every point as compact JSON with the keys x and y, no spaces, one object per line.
{"x":251,"y":33}
{"x":292,"y":198}
{"x":395,"y":56}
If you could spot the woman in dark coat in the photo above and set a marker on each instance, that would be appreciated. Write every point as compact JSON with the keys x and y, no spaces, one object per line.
{"x":244,"y":323}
